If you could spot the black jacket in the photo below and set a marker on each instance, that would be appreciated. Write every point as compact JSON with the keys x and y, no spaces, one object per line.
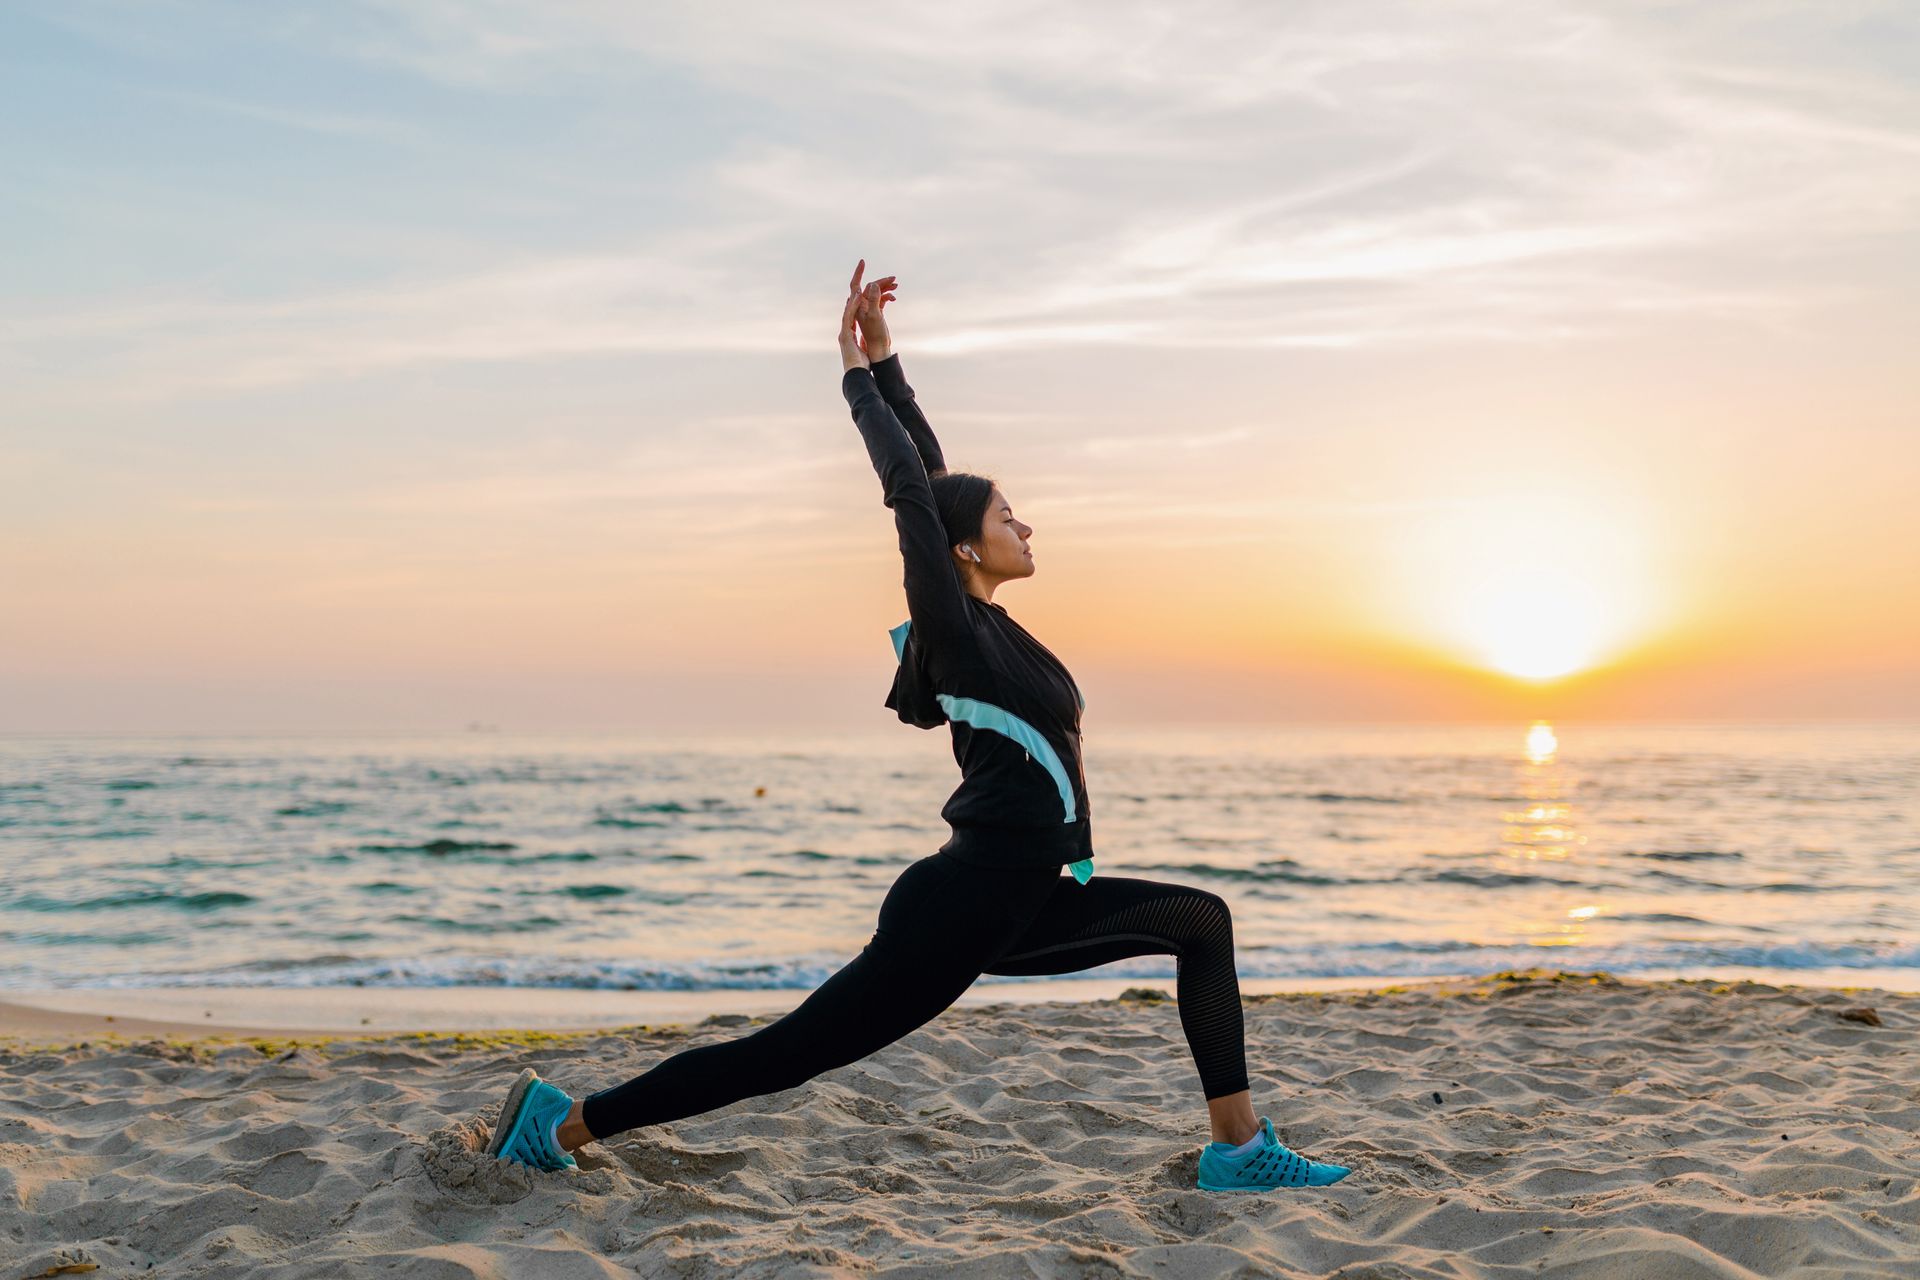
{"x":1014,"y":708}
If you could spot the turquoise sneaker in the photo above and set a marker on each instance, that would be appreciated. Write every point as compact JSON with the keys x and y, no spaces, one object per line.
{"x":1225,"y":1168}
{"x":528,"y":1127}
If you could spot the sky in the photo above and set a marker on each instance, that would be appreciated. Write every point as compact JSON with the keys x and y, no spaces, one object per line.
{"x":409,"y":366}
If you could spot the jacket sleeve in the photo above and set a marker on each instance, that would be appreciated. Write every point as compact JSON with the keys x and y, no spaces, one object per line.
{"x":892,"y":382}
{"x":936,"y":602}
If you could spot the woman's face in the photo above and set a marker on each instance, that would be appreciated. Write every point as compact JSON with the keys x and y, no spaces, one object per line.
{"x":1003,"y":541}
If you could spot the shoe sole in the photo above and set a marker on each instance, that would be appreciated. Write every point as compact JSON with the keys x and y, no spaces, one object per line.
{"x":510,"y":1110}
{"x":1275,"y":1187}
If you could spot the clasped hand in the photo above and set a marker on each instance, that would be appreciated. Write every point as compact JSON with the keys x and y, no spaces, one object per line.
{"x":863,"y":324}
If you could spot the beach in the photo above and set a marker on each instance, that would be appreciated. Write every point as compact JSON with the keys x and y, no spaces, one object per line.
{"x":1540,"y":1123}
{"x":1366,"y":549}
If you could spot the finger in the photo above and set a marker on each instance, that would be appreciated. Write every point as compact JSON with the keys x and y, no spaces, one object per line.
{"x":858,"y":271}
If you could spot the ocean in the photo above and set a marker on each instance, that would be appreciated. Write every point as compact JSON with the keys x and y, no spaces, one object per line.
{"x":486,"y":859}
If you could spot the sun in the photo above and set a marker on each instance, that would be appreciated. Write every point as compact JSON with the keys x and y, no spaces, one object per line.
{"x":1535,"y":586}
{"x":1535,"y":628}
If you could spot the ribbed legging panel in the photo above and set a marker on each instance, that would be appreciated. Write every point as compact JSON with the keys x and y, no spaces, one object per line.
{"x":1115,"y":918}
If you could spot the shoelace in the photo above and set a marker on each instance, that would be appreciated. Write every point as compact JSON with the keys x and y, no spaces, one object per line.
{"x":1287,"y":1168}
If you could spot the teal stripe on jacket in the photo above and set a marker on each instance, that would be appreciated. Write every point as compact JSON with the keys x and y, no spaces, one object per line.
{"x":985,"y":715}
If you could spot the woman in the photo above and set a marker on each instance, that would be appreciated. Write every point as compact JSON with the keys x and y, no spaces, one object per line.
{"x":992,"y":899}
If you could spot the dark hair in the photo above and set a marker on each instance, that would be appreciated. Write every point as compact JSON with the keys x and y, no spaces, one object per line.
{"x":962,"y":498}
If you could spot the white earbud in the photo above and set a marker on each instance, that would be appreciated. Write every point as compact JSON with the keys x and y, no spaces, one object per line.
{"x":970,"y":551}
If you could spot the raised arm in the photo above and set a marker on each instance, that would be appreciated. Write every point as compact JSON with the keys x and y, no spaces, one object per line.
{"x":936,"y":600}
{"x":899,"y":397}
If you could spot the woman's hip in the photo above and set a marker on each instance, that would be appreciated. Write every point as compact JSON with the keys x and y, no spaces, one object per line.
{"x":942,"y":904}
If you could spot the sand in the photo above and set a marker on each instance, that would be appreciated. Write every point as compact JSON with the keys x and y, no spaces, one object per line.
{"x":1539,"y":1124}
{"x":63,"y":1015}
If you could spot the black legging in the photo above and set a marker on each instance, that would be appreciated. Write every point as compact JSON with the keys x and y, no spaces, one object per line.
{"x":942,"y":925}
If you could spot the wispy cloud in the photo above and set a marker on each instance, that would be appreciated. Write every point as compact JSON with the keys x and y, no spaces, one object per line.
{"x":1142,"y":175}
{"x":344,"y":124}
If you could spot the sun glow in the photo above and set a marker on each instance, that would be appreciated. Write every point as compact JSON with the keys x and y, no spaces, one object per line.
{"x":1537,"y":587}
